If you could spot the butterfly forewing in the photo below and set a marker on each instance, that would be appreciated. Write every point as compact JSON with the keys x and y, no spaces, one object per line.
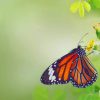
{"x":59,"y":71}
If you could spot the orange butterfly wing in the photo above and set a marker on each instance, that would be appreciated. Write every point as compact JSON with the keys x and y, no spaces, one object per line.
{"x":63,"y":70}
{"x":59,"y":71}
{"x":83,"y":74}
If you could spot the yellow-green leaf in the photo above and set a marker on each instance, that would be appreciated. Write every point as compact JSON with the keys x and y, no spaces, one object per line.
{"x":97,"y":28}
{"x":87,"y":6}
{"x":81,"y":10}
{"x":74,"y":7}
{"x":95,"y":47}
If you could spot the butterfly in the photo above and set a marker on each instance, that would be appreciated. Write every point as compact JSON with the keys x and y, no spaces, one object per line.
{"x":74,"y":67}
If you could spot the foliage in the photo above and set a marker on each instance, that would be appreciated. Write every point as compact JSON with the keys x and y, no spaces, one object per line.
{"x":40,"y":93}
{"x":47,"y":93}
{"x":95,"y":3}
{"x":64,"y":93}
{"x":83,"y":6}
{"x":97,"y":28}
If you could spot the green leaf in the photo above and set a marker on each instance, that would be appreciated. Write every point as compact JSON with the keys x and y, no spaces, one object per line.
{"x":81,"y":10}
{"x":97,"y":28}
{"x":95,"y":47}
{"x":88,"y":0}
{"x":74,"y":7}
{"x":87,"y":6}
{"x":40,"y":93}
{"x":98,"y":34}
{"x":96,"y":88}
{"x":96,"y":3}
{"x":59,"y":94}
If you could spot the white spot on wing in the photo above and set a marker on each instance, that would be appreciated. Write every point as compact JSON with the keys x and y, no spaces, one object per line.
{"x":52,"y":77}
{"x":50,"y":73}
{"x":59,"y":78}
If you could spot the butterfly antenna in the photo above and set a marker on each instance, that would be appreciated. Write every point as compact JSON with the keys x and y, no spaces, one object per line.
{"x":82,"y":38}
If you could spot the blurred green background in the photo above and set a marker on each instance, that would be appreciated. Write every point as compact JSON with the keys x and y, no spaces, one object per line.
{"x":33,"y":34}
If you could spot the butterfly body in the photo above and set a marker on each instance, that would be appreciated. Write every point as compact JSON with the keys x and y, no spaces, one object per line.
{"x":74,"y":67}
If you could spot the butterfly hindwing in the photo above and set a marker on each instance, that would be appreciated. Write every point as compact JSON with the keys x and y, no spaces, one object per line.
{"x":84,"y":73}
